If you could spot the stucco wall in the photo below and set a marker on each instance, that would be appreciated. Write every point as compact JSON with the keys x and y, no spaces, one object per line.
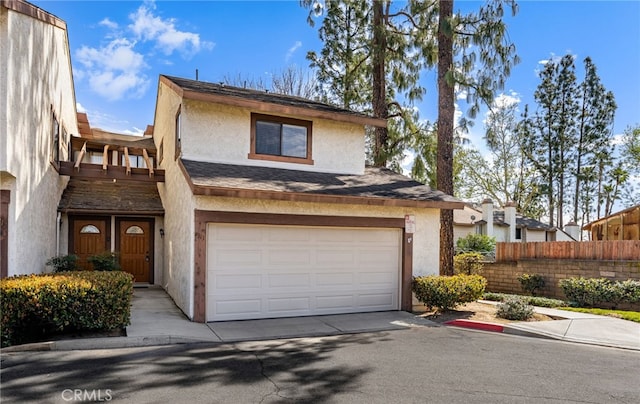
{"x":37,"y":83}
{"x":221,"y":134}
{"x":535,"y":235}
{"x":178,"y":202}
{"x":426,"y":238}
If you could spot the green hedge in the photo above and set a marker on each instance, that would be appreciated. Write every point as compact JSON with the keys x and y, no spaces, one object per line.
{"x":447,"y":292}
{"x":36,"y":305}
{"x":590,"y":292}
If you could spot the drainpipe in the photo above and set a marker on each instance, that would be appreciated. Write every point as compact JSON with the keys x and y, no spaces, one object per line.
{"x":58,"y":225}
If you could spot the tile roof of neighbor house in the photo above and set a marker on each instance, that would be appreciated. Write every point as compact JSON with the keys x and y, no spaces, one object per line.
{"x":110,"y":196}
{"x":222,"y":92}
{"x":377,"y":185}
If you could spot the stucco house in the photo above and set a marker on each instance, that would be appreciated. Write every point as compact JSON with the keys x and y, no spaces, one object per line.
{"x":507,"y":225}
{"x":270,"y":210}
{"x":37,"y":118}
{"x":241,"y":204}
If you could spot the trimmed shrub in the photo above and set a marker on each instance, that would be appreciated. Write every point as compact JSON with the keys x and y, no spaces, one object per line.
{"x":33,"y":306}
{"x":532,"y":300}
{"x":468,"y":263}
{"x":106,"y":261}
{"x":447,"y":292}
{"x":530,"y":283}
{"x":597,"y":291}
{"x":476,"y":243}
{"x":514,"y":309}
{"x":63,"y":263}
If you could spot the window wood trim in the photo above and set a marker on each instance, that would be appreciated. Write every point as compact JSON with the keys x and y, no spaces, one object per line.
{"x":281,"y":120}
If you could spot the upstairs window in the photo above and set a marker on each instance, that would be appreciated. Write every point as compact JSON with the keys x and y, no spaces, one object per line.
{"x":280,"y":139}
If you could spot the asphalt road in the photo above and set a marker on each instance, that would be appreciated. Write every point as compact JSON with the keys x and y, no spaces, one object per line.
{"x":420,"y":365}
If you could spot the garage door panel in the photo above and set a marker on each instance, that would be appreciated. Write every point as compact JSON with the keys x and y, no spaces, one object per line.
{"x":277,"y":306}
{"x":237,"y":282}
{"x":289,"y":257}
{"x":377,"y":279}
{"x":375,"y":300}
{"x":289,"y":280}
{"x":281,"y":271}
{"x":238,"y":308}
{"x":337,"y":279}
{"x":335,"y":303}
{"x":335,"y":257}
{"x":236,"y":257}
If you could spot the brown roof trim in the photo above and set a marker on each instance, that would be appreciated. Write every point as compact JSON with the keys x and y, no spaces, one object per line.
{"x":33,"y":11}
{"x":273,"y":108}
{"x":317,"y":198}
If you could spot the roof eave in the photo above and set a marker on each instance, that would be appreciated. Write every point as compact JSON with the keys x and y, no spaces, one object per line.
{"x":205,"y":190}
{"x":271,"y":107}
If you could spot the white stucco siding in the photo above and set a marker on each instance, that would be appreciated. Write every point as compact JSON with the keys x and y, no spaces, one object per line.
{"x":221,"y":134}
{"x":535,"y":235}
{"x":426,"y":239}
{"x":178,"y":203}
{"x":37,"y":83}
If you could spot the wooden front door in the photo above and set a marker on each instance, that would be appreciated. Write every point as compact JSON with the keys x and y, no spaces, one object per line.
{"x":136,"y":248}
{"x":90,"y":237}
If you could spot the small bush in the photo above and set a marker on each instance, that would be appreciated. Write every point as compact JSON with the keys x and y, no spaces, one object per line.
{"x":63,"y":263}
{"x":107,"y":261}
{"x":33,"y":306}
{"x":532,"y":300}
{"x":597,"y":291}
{"x":530,"y":283}
{"x":514,"y":309}
{"x":447,"y":292}
{"x":476,"y":243}
{"x":468,"y":263}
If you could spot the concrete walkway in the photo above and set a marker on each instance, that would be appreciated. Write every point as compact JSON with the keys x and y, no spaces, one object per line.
{"x":156,"y":320}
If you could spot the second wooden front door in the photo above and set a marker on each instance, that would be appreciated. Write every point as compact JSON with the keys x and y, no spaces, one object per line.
{"x":136,"y":248}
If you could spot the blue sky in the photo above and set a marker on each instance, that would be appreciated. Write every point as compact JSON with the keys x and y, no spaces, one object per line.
{"x":119,"y":48}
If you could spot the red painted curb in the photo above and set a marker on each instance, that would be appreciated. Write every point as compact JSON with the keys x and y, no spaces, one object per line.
{"x":476,"y":325}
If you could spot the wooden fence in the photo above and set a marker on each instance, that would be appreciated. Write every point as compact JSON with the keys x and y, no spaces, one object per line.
{"x":622,"y":250}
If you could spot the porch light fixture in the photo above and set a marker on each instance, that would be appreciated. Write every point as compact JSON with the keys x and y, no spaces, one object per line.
{"x":162,"y":233}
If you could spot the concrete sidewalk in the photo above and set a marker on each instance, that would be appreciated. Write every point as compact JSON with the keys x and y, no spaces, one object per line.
{"x":572,"y":327}
{"x":156,"y":320}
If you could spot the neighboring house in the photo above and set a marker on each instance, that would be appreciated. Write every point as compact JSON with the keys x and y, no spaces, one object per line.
{"x":37,"y":118}
{"x":506,"y":225}
{"x":623,"y":225}
{"x":271,"y":212}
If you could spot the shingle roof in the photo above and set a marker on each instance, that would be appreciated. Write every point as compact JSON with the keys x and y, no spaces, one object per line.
{"x":111,"y":197}
{"x":262,"y":97}
{"x":376,"y":183}
{"x":521,"y":222}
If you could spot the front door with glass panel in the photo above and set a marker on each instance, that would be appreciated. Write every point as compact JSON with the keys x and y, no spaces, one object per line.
{"x":90,"y":237}
{"x":135,"y":247}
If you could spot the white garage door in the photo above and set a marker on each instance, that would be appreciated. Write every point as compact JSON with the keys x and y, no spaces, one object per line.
{"x":256,"y":271}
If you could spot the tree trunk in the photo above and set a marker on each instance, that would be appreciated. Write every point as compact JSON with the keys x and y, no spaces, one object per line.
{"x":446,"y":111}
{"x":380,"y":108}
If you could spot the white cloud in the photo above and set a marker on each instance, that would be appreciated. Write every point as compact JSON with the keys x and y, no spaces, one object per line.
{"x":505,"y":100}
{"x":80,"y":108}
{"x":292,"y":50}
{"x":134,"y":132}
{"x":114,"y":70}
{"x":149,"y":27}
{"x":106,"y":22}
